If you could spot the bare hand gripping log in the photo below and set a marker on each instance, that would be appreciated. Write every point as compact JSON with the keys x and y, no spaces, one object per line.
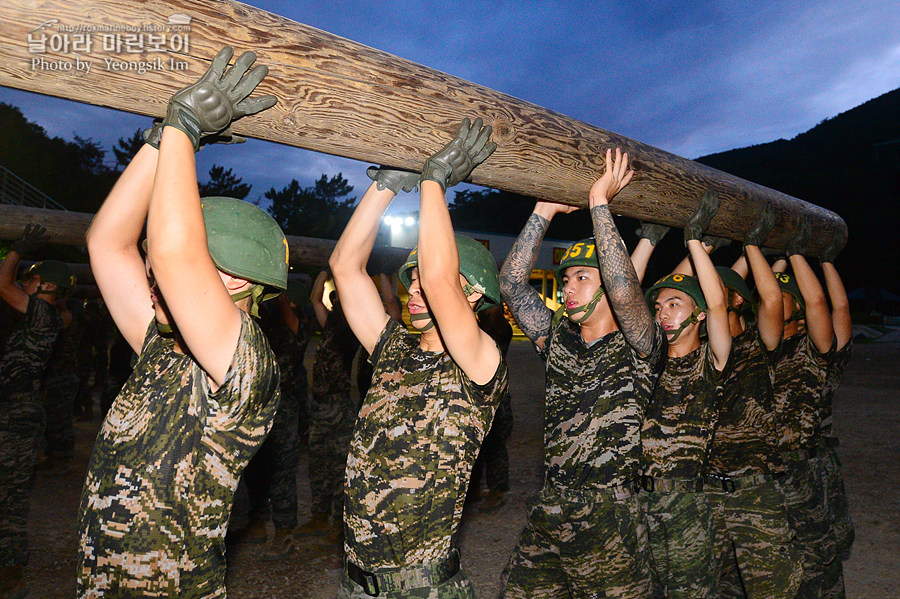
{"x":340,"y":97}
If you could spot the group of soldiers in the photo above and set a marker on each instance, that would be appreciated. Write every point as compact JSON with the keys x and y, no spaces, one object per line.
{"x":688,"y":448}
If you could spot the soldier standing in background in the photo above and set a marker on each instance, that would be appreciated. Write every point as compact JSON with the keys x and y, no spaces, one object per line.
{"x":22,"y":364}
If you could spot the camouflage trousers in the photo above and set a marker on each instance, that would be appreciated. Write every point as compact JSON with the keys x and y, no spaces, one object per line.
{"x":842,"y":526}
{"x":21,"y":428}
{"x":581,"y":544}
{"x":271,"y":476}
{"x":331,"y":421}
{"x":751,"y":532}
{"x":806,"y":501}
{"x":681,"y":544}
{"x":59,"y":405}
{"x":493,"y":457}
{"x":458,"y":587}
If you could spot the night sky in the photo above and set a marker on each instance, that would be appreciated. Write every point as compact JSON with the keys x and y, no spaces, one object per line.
{"x":691,"y":78}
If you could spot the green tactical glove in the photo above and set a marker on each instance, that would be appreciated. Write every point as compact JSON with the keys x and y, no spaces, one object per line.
{"x":715,"y":242}
{"x":838,"y":241}
{"x":456,"y":161}
{"x":797,"y":243}
{"x":153,"y":136}
{"x":395,"y":180}
{"x":34,"y":237}
{"x":765,"y":222}
{"x":651,"y":232}
{"x":700,"y":219}
{"x":218,"y":97}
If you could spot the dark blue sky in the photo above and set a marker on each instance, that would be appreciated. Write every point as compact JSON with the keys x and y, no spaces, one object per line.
{"x":691,"y":78}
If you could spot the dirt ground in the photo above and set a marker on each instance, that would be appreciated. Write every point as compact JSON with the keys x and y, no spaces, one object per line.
{"x":867,"y":420}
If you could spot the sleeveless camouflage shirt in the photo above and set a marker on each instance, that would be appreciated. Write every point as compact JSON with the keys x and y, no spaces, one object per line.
{"x":682,"y":416}
{"x":417,"y":436}
{"x":596,"y":396}
{"x":162,"y":475}
{"x":743,"y":441}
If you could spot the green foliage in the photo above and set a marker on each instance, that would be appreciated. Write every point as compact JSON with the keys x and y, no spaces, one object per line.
{"x":321,"y":210}
{"x":224,"y":183}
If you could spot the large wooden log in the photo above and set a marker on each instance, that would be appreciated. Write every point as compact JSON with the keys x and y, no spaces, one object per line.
{"x":340,"y":97}
{"x":69,"y":228}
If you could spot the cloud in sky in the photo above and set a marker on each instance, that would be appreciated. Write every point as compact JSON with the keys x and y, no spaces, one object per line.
{"x":690,"y":78}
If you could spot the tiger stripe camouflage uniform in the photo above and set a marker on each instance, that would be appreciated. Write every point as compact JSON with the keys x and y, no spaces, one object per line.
{"x":162,"y":475}
{"x":332,"y":415}
{"x":417,"y":436}
{"x":752,"y":532}
{"x":60,"y":386}
{"x":585,"y":535}
{"x":22,"y":362}
{"x":800,"y":375}
{"x":675,"y":438}
{"x":842,"y":525}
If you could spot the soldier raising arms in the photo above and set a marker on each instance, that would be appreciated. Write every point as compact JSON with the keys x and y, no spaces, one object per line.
{"x":203,"y":394}
{"x":584,"y":536}
{"x":432,"y":398}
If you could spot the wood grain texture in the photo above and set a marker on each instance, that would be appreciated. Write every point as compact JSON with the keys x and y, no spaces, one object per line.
{"x":69,"y":228}
{"x":340,"y":97}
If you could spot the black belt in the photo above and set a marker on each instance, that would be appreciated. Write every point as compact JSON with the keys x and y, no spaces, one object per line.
{"x":671,"y":485}
{"x":395,"y":579}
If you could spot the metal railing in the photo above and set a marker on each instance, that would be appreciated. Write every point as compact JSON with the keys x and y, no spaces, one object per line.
{"x":17,"y":191}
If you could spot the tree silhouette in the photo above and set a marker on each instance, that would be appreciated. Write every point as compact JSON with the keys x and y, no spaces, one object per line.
{"x":321,"y":210}
{"x":224,"y":183}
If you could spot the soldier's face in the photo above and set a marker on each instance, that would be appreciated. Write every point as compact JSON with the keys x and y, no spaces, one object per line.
{"x":31,"y":284}
{"x":580,"y":283}
{"x":416,"y":302}
{"x":156,"y":298}
{"x":672,"y":308}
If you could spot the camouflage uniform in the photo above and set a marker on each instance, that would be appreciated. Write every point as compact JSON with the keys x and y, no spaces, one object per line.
{"x":494,"y":458}
{"x":60,"y":386}
{"x":411,"y":456}
{"x":752,"y":533}
{"x":799,"y":383}
{"x":23,"y":359}
{"x":271,"y":476}
{"x":675,"y":438}
{"x":162,"y":475}
{"x":332,"y":414}
{"x":585,"y":535}
{"x":842,"y":526}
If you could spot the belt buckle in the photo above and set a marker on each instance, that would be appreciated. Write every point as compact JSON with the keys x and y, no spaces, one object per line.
{"x":370,"y":583}
{"x":728,"y":484}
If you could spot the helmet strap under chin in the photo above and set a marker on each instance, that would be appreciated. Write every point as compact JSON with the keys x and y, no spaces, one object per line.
{"x":420,"y":316}
{"x":586,"y":309}
{"x":692,"y":319}
{"x":255,"y":292}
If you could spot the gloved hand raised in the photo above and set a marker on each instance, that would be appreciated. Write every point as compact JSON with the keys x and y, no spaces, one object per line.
{"x":208,"y":106}
{"x":34,"y":237}
{"x":651,"y":232}
{"x":395,"y":180}
{"x":838,"y":241}
{"x":700,"y":219}
{"x":797,"y":243}
{"x":456,"y":161}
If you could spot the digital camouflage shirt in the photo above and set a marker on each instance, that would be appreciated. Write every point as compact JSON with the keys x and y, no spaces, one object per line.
{"x":799,"y":384}
{"x":743,"y":441}
{"x":162,"y":475}
{"x":289,"y":349}
{"x":596,"y":396}
{"x":839,"y":362}
{"x":411,"y":456}
{"x":28,"y":347}
{"x":331,"y":369}
{"x":64,"y":358}
{"x":680,"y":421}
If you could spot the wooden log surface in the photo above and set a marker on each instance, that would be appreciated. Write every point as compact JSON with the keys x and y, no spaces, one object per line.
{"x":340,"y":97}
{"x":69,"y":228}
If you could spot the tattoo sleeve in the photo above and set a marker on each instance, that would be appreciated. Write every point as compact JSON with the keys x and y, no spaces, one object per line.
{"x":529,"y":310}
{"x":621,"y":283}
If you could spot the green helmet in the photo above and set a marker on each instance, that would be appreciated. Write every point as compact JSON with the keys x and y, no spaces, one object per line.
{"x":789,"y":285}
{"x":475,"y":263}
{"x":681,"y":282}
{"x":580,"y":253}
{"x":297,"y":293}
{"x":735,"y":282}
{"x":246,"y":242}
{"x":54,"y":271}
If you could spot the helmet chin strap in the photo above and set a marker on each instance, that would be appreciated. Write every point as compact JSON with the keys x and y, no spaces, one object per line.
{"x":165,"y":330}
{"x":587,"y":309}
{"x":255,"y":292}
{"x":692,"y":319}
{"x":420,"y":316}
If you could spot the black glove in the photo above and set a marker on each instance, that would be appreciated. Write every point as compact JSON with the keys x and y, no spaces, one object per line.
{"x":651,"y":232}
{"x":395,"y":180}
{"x":153,"y":136}
{"x":838,"y":241}
{"x":797,"y":243}
{"x":765,"y":222}
{"x":700,"y":219}
{"x":715,"y":242}
{"x":34,"y":237}
{"x":218,"y":98}
{"x":456,"y":161}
